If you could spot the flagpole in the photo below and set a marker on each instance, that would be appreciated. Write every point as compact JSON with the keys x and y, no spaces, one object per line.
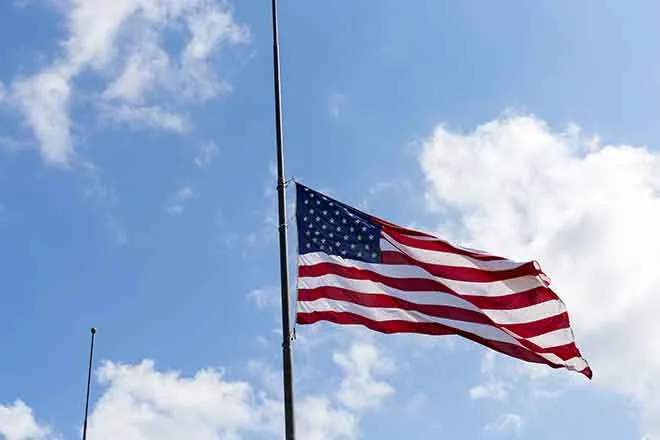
{"x":89,"y":381}
{"x":282,"y":218}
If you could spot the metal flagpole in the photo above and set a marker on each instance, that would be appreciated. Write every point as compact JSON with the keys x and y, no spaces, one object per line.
{"x":89,"y":380}
{"x":284,"y":271}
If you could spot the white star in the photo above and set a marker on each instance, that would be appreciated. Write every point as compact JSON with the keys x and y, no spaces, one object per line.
{"x":318,"y":219}
{"x":331,"y":235}
{"x":307,"y":233}
{"x":312,"y":195}
{"x":306,"y":202}
{"x":366,"y":246}
{"x":325,"y":212}
{"x":352,"y":229}
{"x":332,"y":220}
{"x":345,"y":237}
{"x":314,"y":239}
{"x":359,"y":254}
{"x":316,"y":232}
{"x":352,"y":246}
{"x":309,"y":245}
{"x":336,"y":212}
{"x":359,"y":238}
{"x":343,"y":252}
{"x":323,"y":227}
{"x":305,"y":218}
{"x":318,"y":202}
{"x":338,"y":244}
{"x":338,"y":228}
{"x":373,"y":255}
{"x":311,"y":211}
{"x":343,"y":221}
{"x":332,"y":204}
{"x":364,"y":229}
{"x":371,"y":237}
{"x":323,"y":240}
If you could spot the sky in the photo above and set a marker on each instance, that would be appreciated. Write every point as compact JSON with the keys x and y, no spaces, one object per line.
{"x":137,"y":195}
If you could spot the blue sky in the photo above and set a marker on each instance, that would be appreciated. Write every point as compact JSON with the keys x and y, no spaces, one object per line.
{"x":137,"y":195}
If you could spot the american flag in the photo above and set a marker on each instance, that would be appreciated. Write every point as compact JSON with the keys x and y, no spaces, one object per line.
{"x":354,"y":268}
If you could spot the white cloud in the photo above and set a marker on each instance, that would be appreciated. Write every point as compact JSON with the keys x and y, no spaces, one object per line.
{"x":359,"y":389}
{"x":179,"y":199}
{"x":17,"y":423}
{"x":3,"y":92}
{"x":493,"y":387}
{"x":505,"y":424}
{"x":44,"y":100}
{"x":587,"y":211}
{"x":141,"y":403}
{"x":264,"y":298}
{"x":318,"y":420}
{"x":206,"y":154}
{"x":153,"y":116}
{"x":123,"y":42}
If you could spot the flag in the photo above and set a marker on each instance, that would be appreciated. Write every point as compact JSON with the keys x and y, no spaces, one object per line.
{"x":354,"y":268}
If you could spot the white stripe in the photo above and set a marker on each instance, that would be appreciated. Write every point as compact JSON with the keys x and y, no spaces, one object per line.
{"x":381,"y":314}
{"x":516,"y":316}
{"x":369,"y":287}
{"x":576,"y":363}
{"x":388,"y":243}
{"x":528,"y":314}
{"x":554,"y":338}
{"x":494,"y":288}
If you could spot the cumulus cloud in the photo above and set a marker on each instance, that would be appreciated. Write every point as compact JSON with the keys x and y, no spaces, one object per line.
{"x":588,"y":211}
{"x":505,"y":424}
{"x":143,"y":403}
{"x":179,"y":199}
{"x":493,"y":387}
{"x":124,"y":43}
{"x":17,"y":423}
{"x":360,"y":389}
{"x":140,"y":402}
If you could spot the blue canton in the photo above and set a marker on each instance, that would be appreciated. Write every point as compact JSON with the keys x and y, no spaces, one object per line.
{"x":326,"y":225}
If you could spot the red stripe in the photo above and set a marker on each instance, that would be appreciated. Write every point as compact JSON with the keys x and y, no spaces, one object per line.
{"x":526,"y":330}
{"x":390,"y":302}
{"x":348,"y":318}
{"x":458,"y":273}
{"x":542,"y":326}
{"x":437,"y":245}
{"x":506,"y":302}
{"x":513,"y":301}
{"x":409,"y":284}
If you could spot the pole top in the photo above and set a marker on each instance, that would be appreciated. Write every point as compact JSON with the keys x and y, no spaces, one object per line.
{"x":93,"y":330}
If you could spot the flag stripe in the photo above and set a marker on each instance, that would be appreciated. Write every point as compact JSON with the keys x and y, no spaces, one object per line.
{"x":340,"y":273}
{"x":430,"y":328}
{"x":415,"y":278}
{"x":403,"y":300}
{"x":388,"y":242}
